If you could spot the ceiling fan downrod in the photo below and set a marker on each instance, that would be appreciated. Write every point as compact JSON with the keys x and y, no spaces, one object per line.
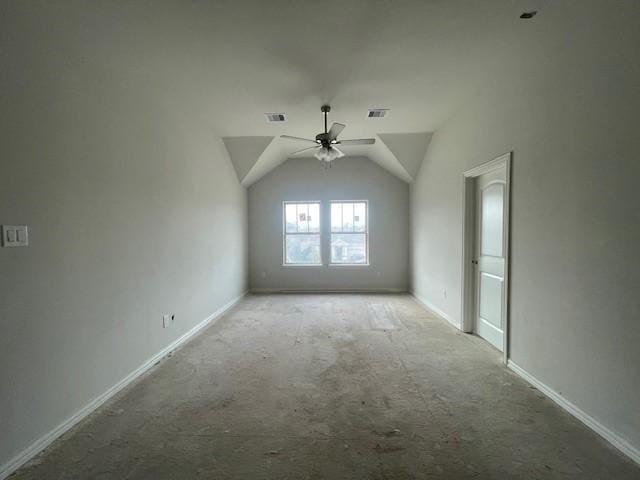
{"x":325,"y":109}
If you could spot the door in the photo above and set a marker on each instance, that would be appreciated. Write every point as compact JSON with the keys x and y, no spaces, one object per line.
{"x":489,"y":256}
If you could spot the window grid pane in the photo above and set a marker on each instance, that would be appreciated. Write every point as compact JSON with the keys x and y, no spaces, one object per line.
{"x":290,"y":218}
{"x":347,"y":217}
{"x":303,"y":225}
{"x":305,"y":218}
{"x":302,"y":249}
{"x":302,"y":243}
{"x":360,"y":217}
{"x":314,"y":218}
{"x":349,"y":233}
{"x":336,"y":217}
{"x":349,"y":248}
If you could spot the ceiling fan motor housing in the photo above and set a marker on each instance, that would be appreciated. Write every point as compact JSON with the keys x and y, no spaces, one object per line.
{"x":323,"y":138}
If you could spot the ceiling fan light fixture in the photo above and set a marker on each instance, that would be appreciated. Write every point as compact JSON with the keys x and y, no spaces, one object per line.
{"x":328,"y":154}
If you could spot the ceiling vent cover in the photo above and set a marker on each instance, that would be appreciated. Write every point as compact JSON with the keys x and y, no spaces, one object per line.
{"x":377,"y":112}
{"x":275,"y":117}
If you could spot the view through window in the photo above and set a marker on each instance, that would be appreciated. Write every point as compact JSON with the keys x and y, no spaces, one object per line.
{"x":349,"y":233}
{"x":302,"y":233}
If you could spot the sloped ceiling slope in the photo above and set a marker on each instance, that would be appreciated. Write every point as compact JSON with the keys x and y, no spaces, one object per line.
{"x":245,"y":152}
{"x":408,"y":149}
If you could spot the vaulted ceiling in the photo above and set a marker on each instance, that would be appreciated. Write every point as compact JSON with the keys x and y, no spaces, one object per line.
{"x":241,"y":58}
{"x":399,"y":153}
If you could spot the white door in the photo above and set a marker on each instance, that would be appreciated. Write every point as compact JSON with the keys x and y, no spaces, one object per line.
{"x":490,"y":256}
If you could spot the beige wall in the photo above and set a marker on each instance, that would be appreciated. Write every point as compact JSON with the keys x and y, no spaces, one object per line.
{"x":567,"y":105}
{"x":133,"y":209}
{"x":351,"y":178}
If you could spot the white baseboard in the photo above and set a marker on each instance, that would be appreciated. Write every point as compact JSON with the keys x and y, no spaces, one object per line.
{"x":43,"y":442}
{"x":328,"y":290}
{"x":430,"y":306}
{"x":616,"y":440}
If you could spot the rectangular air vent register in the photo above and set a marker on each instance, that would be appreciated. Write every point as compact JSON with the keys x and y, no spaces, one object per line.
{"x":377,"y":112}
{"x":275,"y":117}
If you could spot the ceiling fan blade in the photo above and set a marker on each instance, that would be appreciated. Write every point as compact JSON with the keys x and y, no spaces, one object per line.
{"x":335,"y":130}
{"x":303,"y":150}
{"x":359,"y":141}
{"x":299,"y":139}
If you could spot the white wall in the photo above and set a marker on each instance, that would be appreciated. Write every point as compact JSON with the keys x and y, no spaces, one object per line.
{"x":348,"y":179}
{"x":133,"y":209}
{"x":567,"y":103}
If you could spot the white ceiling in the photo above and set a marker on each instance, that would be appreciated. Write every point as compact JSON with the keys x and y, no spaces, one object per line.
{"x":420,"y":58}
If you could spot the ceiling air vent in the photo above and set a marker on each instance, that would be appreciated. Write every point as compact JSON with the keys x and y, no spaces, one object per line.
{"x":275,"y":117}
{"x":377,"y":112}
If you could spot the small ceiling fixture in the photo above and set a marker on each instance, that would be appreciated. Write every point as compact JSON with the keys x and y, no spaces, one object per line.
{"x":377,"y":112}
{"x":275,"y":117}
{"x":528,"y":15}
{"x":326,"y":143}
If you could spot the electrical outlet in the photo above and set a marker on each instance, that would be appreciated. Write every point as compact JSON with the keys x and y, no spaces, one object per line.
{"x":166,"y":321}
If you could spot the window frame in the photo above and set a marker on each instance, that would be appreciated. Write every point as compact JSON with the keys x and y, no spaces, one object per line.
{"x":366,"y":234}
{"x":285,"y":233}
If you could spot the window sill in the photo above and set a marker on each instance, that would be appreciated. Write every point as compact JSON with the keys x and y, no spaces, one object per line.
{"x":297,"y":265}
{"x":349,"y":265}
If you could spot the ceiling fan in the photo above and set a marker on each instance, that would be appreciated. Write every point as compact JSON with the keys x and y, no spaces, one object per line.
{"x":326,"y":144}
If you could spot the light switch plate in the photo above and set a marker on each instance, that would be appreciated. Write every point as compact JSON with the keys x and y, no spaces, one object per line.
{"x":15,"y":236}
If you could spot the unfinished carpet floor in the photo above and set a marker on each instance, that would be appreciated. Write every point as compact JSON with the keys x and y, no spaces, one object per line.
{"x":330,"y":387}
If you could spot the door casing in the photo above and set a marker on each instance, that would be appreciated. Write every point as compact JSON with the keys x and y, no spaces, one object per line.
{"x":468,"y":242}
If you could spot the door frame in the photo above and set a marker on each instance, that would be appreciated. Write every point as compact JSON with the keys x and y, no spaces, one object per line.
{"x":468,"y":242}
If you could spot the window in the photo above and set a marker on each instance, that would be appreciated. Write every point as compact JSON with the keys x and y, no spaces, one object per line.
{"x":349,"y":233}
{"x":302,"y":233}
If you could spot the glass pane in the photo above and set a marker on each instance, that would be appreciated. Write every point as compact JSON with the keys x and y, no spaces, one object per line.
{"x":348,"y":248}
{"x":360,"y":217}
{"x":314,"y":218}
{"x":290,"y":219}
{"x":347,"y":217}
{"x":303,"y":224}
{"x":302,"y":249}
{"x":336,"y":217}
{"x":491,"y":243}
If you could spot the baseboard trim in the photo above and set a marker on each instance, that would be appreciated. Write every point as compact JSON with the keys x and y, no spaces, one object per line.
{"x":327,"y":290}
{"x":43,"y":442}
{"x":430,"y":306}
{"x":614,"y":439}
